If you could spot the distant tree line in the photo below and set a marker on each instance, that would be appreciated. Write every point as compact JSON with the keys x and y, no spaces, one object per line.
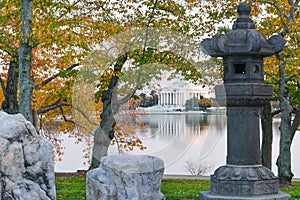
{"x":148,"y":101}
{"x":198,"y":104}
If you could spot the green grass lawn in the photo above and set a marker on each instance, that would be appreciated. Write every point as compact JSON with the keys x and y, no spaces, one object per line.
{"x":70,"y":188}
{"x":183,"y":188}
{"x":74,"y":188}
{"x":294,"y":191}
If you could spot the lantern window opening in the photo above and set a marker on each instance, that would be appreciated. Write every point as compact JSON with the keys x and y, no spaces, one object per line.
{"x":256,"y":69}
{"x":240,"y":68}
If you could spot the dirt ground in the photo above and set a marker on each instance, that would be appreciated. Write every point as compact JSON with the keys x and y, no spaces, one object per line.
{"x":64,"y":174}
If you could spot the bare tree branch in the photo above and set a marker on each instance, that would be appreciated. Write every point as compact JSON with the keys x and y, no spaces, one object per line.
{"x":55,"y":76}
{"x":85,"y":116}
{"x":291,"y":2}
{"x":11,"y":42}
{"x":64,"y":116}
{"x":118,"y":145}
{"x":58,"y":103}
{"x":290,"y":17}
{"x":277,"y":7}
{"x":3,"y":87}
{"x":129,"y":95}
{"x":120,"y":62}
{"x":275,"y":79}
{"x":294,"y":8}
{"x":275,"y":112}
{"x":73,"y":122}
{"x":147,"y":27}
{"x":289,"y":78}
{"x":109,"y":18}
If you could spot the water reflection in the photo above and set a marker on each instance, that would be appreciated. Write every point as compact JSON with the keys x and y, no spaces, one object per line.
{"x":177,"y":138}
{"x":173,"y":125}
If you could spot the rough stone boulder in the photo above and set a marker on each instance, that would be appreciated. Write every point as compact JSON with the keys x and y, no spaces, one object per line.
{"x":26,"y":161}
{"x":125,"y":177}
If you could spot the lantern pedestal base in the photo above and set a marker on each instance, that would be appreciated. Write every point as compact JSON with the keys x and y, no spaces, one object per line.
{"x":243,"y":182}
{"x":207,"y":195}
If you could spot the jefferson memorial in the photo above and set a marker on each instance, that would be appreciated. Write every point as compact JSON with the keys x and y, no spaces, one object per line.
{"x":177,"y":91}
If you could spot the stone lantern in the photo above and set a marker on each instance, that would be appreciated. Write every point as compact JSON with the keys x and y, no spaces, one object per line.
{"x":243,"y":92}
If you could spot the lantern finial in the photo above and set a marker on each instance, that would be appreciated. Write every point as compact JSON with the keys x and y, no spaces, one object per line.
{"x":243,"y":21}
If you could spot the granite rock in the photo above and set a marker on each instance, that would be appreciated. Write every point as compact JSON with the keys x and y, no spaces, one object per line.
{"x":26,"y":161}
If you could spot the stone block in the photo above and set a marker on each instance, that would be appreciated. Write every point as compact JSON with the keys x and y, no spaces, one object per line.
{"x":126,"y":177}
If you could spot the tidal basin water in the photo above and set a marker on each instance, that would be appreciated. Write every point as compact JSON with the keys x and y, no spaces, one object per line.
{"x":179,"y":138}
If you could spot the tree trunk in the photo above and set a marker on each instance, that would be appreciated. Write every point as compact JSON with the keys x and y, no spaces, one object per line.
{"x":284,"y":159}
{"x":100,"y":148}
{"x":10,"y":104}
{"x":295,"y":124}
{"x":25,"y":56}
{"x":105,"y":133}
{"x":267,"y":136}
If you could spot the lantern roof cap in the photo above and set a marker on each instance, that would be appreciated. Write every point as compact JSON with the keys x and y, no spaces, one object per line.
{"x":243,"y":40}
